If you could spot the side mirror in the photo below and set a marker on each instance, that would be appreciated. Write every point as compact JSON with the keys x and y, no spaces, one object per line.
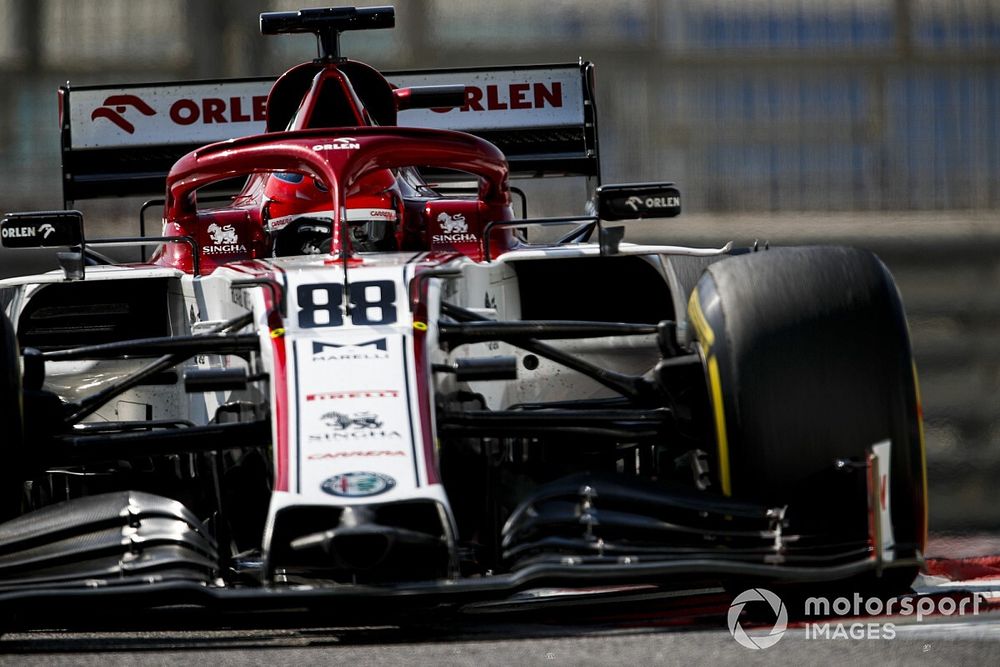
{"x":429,"y":97}
{"x":41,"y":229}
{"x":636,"y":201}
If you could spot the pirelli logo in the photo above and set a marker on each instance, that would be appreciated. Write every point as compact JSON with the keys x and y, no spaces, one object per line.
{"x":338,"y":395}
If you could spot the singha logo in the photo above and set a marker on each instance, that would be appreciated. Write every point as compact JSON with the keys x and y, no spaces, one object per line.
{"x":341,"y":422}
{"x":453,"y":224}
{"x":222,"y":235}
{"x":455,"y":230}
{"x":224,"y":241}
{"x":115,"y":105}
{"x":358,"y":426}
{"x":336,"y":420}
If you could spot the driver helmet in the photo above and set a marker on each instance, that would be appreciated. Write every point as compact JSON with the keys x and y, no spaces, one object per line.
{"x":299,"y":217}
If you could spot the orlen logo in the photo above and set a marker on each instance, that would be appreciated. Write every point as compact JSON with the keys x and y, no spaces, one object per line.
{"x":185,"y":111}
{"x":27,"y":232}
{"x":339,"y":144}
{"x":514,"y":96}
{"x":211,"y":110}
{"x":637,"y":203}
{"x":115,"y":106}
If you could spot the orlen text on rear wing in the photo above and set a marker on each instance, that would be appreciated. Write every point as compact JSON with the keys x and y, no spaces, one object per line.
{"x":122,"y":140}
{"x":542,"y":117}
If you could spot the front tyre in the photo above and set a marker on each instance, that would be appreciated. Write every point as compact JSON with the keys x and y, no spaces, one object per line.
{"x":808,"y":361}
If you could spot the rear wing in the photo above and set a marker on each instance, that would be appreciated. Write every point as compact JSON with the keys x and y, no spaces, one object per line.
{"x":122,"y":140}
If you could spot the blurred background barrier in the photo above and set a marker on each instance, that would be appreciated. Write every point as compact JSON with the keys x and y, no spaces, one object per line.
{"x":873,"y":122}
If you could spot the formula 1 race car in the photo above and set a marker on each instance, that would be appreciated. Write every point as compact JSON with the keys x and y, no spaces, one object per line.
{"x":363,"y":376}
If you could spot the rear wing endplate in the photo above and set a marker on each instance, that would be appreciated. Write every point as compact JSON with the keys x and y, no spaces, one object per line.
{"x":122,"y":140}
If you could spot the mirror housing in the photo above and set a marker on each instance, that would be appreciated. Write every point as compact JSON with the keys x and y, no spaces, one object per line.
{"x":42,"y":229}
{"x":635,"y":201}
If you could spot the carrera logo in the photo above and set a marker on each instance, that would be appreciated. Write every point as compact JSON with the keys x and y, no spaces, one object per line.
{"x":116,"y":105}
{"x":339,"y":144}
{"x":329,"y":456}
{"x":511,"y":96}
{"x":372,"y":349}
{"x":358,"y":484}
{"x":366,"y":214}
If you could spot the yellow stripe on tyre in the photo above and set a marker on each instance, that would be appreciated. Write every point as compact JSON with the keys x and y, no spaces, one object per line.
{"x":707,"y":338}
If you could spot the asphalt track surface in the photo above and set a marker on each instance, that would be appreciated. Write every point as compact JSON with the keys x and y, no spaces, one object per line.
{"x":663,"y":628}
{"x":968,"y":645}
{"x":970,"y":642}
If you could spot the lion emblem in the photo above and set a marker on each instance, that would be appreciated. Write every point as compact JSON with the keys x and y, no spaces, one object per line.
{"x":453,"y":224}
{"x":222,"y":235}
